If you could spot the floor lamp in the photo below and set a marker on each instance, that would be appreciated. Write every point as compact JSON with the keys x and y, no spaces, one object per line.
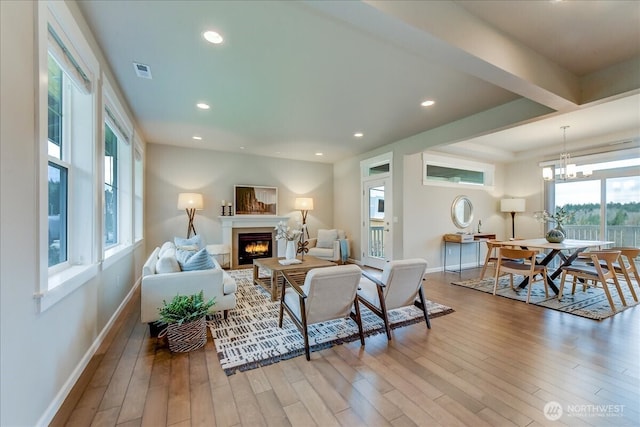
{"x":304,"y":205}
{"x":190,"y":202}
{"x":512,"y":206}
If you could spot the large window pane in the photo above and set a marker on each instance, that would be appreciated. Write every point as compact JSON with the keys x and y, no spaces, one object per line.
{"x":57,"y":214}
{"x":623,"y":210}
{"x":110,"y":187}
{"x":582,"y":200}
{"x":55,"y":109}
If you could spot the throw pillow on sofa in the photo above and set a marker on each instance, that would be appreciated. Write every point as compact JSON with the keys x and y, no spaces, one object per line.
{"x":200,"y":260}
{"x":326,"y":238}
{"x":195,"y":240}
{"x":167,"y":263}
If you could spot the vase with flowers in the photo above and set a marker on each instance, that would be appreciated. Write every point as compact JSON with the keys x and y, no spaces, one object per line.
{"x":556,"y":234}
{"x":290,"y":235}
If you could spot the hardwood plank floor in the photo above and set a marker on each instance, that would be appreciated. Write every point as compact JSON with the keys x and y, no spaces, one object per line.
{"x":494,"y":361}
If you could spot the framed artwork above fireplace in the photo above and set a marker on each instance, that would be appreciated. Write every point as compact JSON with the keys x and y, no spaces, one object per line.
{"x":255,"y":200}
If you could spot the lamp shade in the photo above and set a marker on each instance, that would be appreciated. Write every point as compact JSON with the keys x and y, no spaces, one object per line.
{"x":512,"y":205}
{"x":304,"y":204}
{"x":190,"y":201}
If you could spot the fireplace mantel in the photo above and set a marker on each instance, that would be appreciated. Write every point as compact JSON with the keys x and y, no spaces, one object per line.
{"x":249,"y":221}
{"x":231,"y":222}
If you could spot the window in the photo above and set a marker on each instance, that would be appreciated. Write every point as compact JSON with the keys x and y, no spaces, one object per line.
{"x":138,"y":176}
{"x":606,"y":204}
{"x":66,"y":144}
{"x":110,"y":187}
{"x":57,"y":168}
{"x":118,"y":175}
{"x":453,"y":172}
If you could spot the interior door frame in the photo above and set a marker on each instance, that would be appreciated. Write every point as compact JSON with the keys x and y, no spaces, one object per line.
{"x":374,"y":172}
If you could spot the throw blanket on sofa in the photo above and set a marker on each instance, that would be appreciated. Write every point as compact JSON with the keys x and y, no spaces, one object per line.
{"x":344,"y":250}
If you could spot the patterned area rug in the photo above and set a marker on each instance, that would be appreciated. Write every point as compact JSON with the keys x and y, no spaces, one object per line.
{"x":592,"y":303}
{"x":250,"y":336}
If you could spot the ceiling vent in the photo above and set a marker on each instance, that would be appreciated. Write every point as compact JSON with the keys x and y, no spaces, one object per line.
{"x":142,"y":70}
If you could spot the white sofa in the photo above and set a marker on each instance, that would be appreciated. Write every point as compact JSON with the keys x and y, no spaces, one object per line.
{"x":330,"y":245}
{"x":158,"y":285}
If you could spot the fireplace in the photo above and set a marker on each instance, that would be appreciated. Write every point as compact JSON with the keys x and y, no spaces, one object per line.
{"x":254,"y":245}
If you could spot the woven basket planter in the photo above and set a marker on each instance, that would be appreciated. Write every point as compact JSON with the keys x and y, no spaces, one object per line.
{"x":188,"y":336}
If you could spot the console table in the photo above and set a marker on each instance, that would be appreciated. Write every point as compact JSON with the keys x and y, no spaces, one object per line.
{"x":461,"y":239}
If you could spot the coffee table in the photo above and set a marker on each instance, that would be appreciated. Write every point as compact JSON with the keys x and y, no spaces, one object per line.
{"x":270,"y":283}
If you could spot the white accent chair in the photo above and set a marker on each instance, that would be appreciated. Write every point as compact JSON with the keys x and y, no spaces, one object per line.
{"x":399,"y":285}
{"x":327,"y":293}
{"x":327,"y":245}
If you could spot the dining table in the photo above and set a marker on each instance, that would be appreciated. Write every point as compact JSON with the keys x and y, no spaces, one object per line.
{"x":572,"y":247}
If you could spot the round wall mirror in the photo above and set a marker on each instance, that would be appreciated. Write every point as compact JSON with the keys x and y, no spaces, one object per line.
{"x":462,"y":212}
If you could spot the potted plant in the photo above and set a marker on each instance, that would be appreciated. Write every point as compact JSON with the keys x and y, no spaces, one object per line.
{"x":185,"y":317}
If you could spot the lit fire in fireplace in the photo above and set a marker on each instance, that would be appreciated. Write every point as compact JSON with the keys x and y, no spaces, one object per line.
{"x":257,"y":248}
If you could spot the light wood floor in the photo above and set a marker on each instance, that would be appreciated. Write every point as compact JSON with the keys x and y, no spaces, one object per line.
{"x":494,"y":361}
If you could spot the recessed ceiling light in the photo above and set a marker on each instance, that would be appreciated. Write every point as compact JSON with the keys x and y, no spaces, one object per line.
{"x":197,"y":138}
{"x":427,"y":103}
{"x":319,"y":154}
{"x":202,"y":106}
{"x":358,"y":134}
{"x":212,"y":37}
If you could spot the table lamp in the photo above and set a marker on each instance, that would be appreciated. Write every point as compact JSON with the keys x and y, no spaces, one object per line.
{"x":190,"y":202}
{"x":512,"y":206}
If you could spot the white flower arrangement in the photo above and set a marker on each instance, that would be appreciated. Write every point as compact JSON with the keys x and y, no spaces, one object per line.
{"x":283,"y":231}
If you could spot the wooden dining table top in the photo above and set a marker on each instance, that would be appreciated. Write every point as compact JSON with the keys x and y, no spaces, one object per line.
{"x":542,"y":243}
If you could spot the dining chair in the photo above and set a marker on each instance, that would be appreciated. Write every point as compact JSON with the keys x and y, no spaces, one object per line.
{"x":595,"y":273}
{"x":522,"y":262}
{"x":327,"y":293}
{"x":491,"y":257}
{"x":626,"y":266}
{"x":399,"y":285}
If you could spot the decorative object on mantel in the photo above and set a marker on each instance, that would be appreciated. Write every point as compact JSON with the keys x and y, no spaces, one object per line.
{"x":304,"y":205}
{"x":557,"y":234}
{"x":190,"y":202}
{"x":284,"y":232}
{"x":256,"y":200}
{"x":512,"y":206}
{"x":228,"y":206}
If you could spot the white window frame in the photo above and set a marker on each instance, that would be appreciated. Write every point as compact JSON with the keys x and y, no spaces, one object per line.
{"x":121,"y":125}
{"x":436,"y":159}
{"x":81,"y":265}
{"x":138,"y":189}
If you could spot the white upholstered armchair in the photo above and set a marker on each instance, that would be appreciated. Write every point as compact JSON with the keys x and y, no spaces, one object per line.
{"x":330,"y":245}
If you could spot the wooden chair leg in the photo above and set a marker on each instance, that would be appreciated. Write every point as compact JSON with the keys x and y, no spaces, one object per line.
{"x":358,"y":319}
{"x":608,"y":294}
{"x":424,"y":307}
{"x":627,"y":278}
{"x":383,"y":309}
{"x":617,"y":285}
{"x":564,"y":277}
{"x":529,"y":287}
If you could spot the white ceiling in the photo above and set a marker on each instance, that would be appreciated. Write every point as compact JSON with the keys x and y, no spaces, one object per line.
{"x":295,"y":78}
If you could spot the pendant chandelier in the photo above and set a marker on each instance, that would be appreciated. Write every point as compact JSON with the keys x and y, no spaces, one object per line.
{"x":568,"y":170}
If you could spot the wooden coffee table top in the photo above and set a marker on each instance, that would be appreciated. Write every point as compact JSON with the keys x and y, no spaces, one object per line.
{"x":270,"y":283}
{"x":307,"y":263}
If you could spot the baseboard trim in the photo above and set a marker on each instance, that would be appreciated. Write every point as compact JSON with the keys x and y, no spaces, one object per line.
{"x":53,"y":408}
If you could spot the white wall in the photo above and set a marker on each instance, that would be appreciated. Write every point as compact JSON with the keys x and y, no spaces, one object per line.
{"x":40,"y":353}
{"x":172,"y":170}
{"x":427,"y":216}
